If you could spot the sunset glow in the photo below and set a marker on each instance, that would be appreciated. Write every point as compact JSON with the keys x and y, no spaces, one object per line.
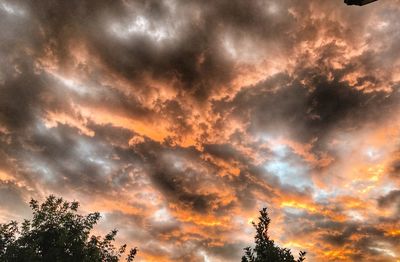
{"x":179,"y":120}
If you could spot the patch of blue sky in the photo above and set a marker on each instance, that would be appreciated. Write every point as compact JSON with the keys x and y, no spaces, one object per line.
{"x":289,"y":172}
{"x":373,"y":154}
{"x":290,"y":211}
{"x":324,"y":196}
{"x":280,"y":150}
{"x":387,"y":188}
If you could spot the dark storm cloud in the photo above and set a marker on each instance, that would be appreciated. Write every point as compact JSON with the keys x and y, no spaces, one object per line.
{"x":391,"y":199}
{"x":174,"y":172}
{"x":195,"y":59}
{"x":19,"y":104}
{"x":342,"y":236}
{"x":283,"y":104}
{"x":193,"y":56}
{"x":177,"y":189}
{"x":394,"y":167}
{"x":224,"y":151}
{"x":64,"y":23}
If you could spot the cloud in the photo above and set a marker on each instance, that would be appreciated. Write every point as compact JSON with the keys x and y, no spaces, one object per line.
{"x":178,"y":120}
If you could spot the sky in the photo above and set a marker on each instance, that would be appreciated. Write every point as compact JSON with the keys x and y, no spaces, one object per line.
{"x":179,"y":120}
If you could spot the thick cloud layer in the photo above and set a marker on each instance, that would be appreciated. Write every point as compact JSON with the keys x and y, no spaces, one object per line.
{"x":178,"y":120}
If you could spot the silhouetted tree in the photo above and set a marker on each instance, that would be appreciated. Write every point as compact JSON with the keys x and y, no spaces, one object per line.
{"x":265,"y":249}
{"x":58,"y":233}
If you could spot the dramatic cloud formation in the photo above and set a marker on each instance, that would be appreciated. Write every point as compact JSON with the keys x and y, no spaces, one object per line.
{"x":178,"y":120}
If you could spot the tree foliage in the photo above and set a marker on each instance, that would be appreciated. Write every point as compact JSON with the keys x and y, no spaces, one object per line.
{"x":265,"y":249}
{"x":58,"y":233}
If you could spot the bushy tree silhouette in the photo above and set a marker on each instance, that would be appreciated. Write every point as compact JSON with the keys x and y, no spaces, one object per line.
{"x":265,"y":249}
{"x":58,"y":233}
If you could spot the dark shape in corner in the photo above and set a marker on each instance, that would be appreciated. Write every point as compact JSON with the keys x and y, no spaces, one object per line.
{"x":358,"y":2}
